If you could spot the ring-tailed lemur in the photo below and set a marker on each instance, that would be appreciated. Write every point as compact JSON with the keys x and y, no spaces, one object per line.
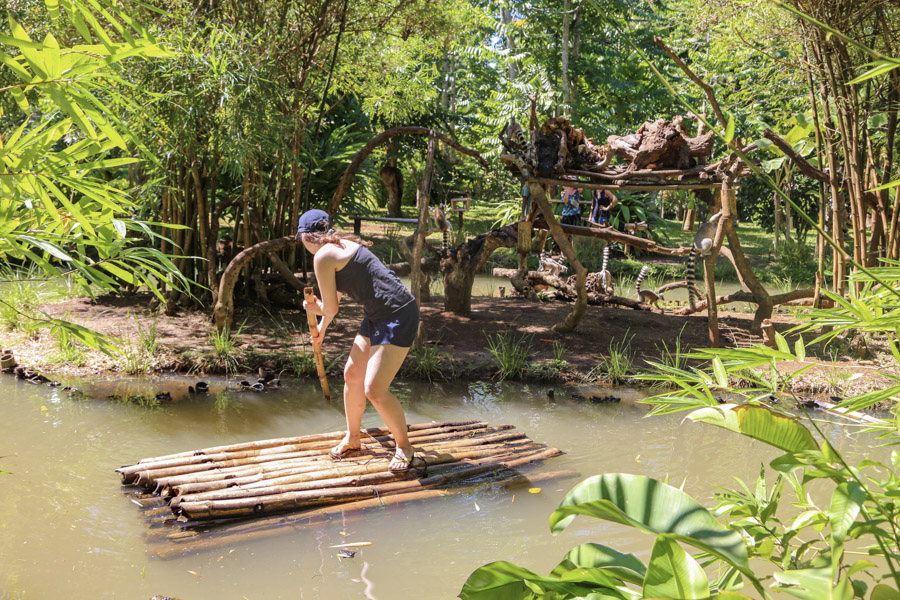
{"x":702,"y":245}
{"x":440,"y":219}
{"x":548,"y":264}
{"x":605,"y":275}
{"x":646,"y":296}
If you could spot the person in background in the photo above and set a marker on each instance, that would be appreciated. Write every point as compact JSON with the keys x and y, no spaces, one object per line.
{"x":601,"y":205}
{"x":571,"y":212}
{"x":344,"y":265}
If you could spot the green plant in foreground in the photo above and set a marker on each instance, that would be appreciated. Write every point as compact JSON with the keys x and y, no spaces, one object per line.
{"x":806,"y":551}
{"x":510,"y":354}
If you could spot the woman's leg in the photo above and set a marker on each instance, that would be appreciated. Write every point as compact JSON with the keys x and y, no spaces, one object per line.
{"x":354,"y":392}
{"x":384,"y":362}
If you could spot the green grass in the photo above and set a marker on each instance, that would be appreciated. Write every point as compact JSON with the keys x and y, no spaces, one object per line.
{"x":428,"y":362}
{"x":137,"y":350}
{"x":616,"y":367}
{"x":510,"y":353}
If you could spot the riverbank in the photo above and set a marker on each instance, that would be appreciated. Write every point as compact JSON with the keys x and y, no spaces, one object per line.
{"x":609,"y":344}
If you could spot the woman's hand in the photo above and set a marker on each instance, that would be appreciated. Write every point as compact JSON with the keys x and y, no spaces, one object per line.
{"x":315,"y":307}
{"x":317,"y":339}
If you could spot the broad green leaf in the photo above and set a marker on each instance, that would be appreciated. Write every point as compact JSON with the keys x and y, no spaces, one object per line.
{"x":812,"y":584}
{"x":652,"y":507}
{"x":800,"y":349}
{"x":777,"y":430}
{"x":673,"y":573}
{"x":883,"y":591}
{"x":627,"y":567}
{"x":760,"y":423}
{"x":846,"y":502}
{"x":505,"y":581}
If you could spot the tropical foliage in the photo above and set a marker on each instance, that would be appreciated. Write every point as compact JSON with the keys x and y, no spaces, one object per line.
{"x":61,"y":138}
{"x":807,"y":549}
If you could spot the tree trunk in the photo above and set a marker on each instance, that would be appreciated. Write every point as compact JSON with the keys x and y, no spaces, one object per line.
{"x":416,"y":275}
{"x":460,"y":265}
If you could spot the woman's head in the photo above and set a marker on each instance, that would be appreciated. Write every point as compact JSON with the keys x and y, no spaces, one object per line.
{"x":315,"y":229}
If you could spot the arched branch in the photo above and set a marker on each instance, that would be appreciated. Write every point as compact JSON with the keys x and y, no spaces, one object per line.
{"x":224,"y":309}
{"x":381,"y":138}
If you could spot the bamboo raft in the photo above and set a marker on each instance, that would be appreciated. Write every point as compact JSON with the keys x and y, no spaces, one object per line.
{"x":204,"y":498}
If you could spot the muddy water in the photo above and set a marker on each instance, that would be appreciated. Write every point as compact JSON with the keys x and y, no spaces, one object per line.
{"x":67,"y":530}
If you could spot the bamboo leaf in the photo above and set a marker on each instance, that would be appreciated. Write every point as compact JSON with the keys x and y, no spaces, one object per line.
{"x":729,"y":129}
{"x":719,"y":370}
{"x":881,"y":67}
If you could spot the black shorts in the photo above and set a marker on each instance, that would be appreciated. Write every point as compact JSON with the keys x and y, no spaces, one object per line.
{"x":571,"y":220}
{"x":398,"y":329}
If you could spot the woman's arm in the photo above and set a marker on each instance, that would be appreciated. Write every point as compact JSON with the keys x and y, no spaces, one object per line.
{"x":613,"y":202}
{"x":324,"y":265}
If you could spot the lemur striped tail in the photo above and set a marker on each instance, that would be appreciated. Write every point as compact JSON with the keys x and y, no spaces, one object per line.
{"x":446,"y":242}
{"x":690,"y":278}
{"x":605,"y":258}
{"x":640,"y":278}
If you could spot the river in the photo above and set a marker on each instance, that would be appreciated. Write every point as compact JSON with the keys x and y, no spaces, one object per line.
{"x":70,"y":531}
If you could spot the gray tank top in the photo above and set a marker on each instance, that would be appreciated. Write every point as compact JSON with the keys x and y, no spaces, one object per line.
{"x":365,"y":279}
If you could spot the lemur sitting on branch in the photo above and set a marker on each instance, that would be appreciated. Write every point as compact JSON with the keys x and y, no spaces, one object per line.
{"x":555,"y":267}
{"x":703,"y":242}
{"x":646,"y":296}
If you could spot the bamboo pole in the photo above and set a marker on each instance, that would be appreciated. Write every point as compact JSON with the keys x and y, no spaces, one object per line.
{"x":288,"y":501}
{"x":370,"y":431}
{"x":189,"y":541}
{"x":294,"y":467}
{"x":202,"y":461}
{"x":317,"y":348}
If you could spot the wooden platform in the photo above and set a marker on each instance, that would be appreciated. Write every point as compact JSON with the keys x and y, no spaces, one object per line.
{"x":186,"y":493}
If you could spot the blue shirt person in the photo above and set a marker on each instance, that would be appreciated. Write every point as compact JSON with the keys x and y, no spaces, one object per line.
{"x":571,"y":212}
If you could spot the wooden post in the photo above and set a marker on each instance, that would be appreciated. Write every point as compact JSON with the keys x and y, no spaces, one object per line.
{"x":317,"y":348}
{"x":524,"y":241}
{"x":571,"y":321}
{"x":357,"y":225}
{"x":727,"y":203}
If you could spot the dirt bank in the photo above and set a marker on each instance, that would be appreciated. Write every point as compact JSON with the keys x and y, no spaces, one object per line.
{"x":459,"y":346}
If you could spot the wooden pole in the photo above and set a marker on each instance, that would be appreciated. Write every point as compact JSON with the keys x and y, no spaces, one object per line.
{"x":317,"y":348}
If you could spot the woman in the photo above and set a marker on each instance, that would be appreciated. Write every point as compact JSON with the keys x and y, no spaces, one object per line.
{"x":602,"y":203}
{"x":344,"y":265}
{"x":571,"y":212}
